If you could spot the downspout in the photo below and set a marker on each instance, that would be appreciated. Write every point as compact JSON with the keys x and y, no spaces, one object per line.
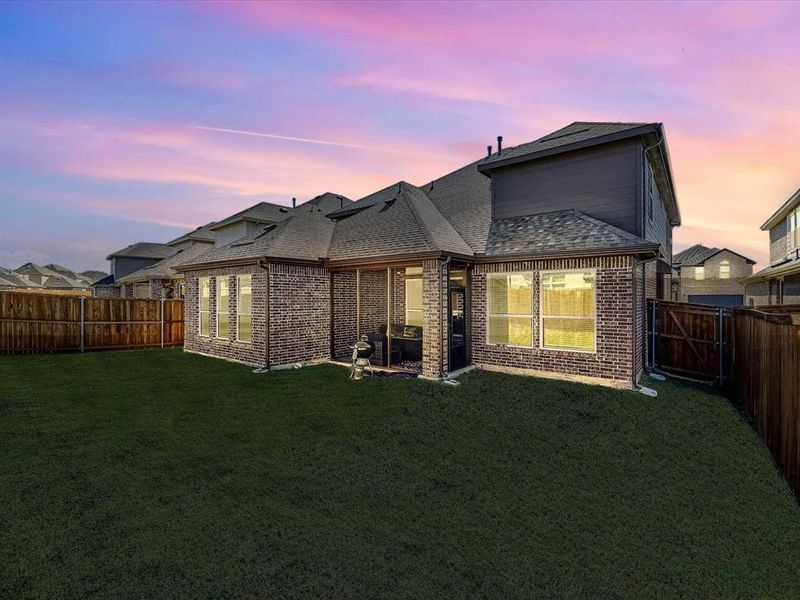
{"x":265,"y":265}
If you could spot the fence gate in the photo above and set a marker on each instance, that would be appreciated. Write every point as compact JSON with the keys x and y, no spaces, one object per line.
{"x":690,"y":340}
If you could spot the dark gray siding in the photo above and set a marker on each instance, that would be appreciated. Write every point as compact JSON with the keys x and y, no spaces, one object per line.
{"x":601,"y":182}
{"x":122,"y":265}
{"x":656,"y":226}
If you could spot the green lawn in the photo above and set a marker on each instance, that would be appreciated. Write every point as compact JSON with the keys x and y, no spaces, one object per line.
{"x":156,"y":474}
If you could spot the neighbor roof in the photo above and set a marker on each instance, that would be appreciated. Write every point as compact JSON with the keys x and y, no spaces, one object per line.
{"x":144,"y":250}
{"x":58,"y":277}
{"x":699,"y":254}
{"x":165,"y":269}
{"x":9,"y":278}
{"x":565,"y":231}
{"x":780,"y":214}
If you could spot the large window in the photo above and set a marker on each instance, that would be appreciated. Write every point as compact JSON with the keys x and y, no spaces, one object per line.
{"x":204,"y":305}
{"x":223,"y":310}
{"x":413,"y":298}
{"x":568,"y":311}
{"x":699,"y":273}
{"x":510,"y":307}
{"x":725,"y":270}
{"x":244,"y":308}
{"x":793,"y":226}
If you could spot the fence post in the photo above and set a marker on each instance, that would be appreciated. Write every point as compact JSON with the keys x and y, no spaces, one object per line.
{"x":83,"y":321}
{"x":162,"y":321}
{"x":721,"y":342}
{"x":653,"y":337}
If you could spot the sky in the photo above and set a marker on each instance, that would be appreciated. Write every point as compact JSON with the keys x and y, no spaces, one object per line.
{"x":125,"y":122}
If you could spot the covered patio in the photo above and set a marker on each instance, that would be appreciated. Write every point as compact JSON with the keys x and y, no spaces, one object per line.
{"x":405,"y":312}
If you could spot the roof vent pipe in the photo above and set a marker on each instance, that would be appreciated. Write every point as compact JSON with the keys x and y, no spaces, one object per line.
{"x":488,"y":151}
{"x":499,"y":145}
{"x":294,"y":202}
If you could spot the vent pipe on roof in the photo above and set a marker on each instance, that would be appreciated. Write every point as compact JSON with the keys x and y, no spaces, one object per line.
{"x":294,"y":202}
{"x":499,"y":145}
{"x":488,"y":151}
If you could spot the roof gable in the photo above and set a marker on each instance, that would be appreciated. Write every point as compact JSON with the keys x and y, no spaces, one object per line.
{"x":782,"y":212}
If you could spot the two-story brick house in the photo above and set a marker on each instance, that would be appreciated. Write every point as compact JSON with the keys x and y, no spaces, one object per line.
{"x":537,"y":258}
{"x":713,"y":276}
{"x":779,"y":283}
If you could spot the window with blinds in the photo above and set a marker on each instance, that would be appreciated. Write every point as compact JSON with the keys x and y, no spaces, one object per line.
{"x":793,"y":225}
{"x":568,"y":314}
{"x":413,"y":300}
{"x":699,"y":273}
{"x":510,"y":309}
{"x":244,"y":308}
{"x":223,"y":311}
{"x":204,"y":305}
{"x":725,"y":270}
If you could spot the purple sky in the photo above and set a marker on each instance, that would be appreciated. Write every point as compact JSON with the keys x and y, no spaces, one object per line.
{"x":110,"y":114}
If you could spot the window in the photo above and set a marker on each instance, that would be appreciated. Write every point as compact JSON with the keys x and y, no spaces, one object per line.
{"x":699,"y":273}
{"x":223,"y":310}
{"x":725,"y":270}
{"x":793,"y":226}
{"x":510,"y":306}
{"x":413,"y":297}
{"x":568,"y":311}
{"x":244,"y":308}
{"x":204,"y":289}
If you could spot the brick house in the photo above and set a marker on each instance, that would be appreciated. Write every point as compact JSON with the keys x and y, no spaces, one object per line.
{"x":710,"y":276}
{"x":779,"y":283}
{"x":536,"y":258}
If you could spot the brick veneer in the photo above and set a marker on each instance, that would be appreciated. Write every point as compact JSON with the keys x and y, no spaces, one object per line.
{"x":107,"y":291}
{"x":613,"y":358}
{"x":253,"y":353}
{"x":435,"y":280}
{"x":299,"y":314}
{"x":344,"y":312}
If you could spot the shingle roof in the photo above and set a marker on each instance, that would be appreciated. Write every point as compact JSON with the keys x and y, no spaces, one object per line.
{"x":165,"y":269}
{"x":144,"y":250}
{"x":9,"y":278}
{"x":558,"y":232}
{"x":579,"y":131}
{"x":693,"y":255}
{"x":263,"y":212}
{"x":400,"y":219}
{"x":698,"y":254}
{"x":58,"y":277}
{"x":93,"y":276}
{"x":203,"y":233}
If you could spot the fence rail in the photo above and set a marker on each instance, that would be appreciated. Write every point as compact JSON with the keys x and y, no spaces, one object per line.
{"x":43,"y":323}
{"x":752,"y":354}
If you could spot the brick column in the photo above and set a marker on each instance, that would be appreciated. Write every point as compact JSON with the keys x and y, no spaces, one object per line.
{"x":434,"y":317}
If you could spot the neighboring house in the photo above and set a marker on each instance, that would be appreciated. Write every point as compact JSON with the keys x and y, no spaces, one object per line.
{"x":126,"y":261}
{"x":11,"y":281}
{"x":537,"y":258}
{"x":161,"y":280}
{"x":779,"y":283}
{"x":710,"y":276}
{"x":53,"y":277}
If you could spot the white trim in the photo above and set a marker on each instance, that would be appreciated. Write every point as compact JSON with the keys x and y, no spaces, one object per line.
{"x":593,"y":271}
{"x":238,"y":311}
{"x":489,"y":314}
{"x":200,"y":311}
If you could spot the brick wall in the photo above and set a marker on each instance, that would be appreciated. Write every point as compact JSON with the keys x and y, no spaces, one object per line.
{"x":107,"y":291}
{"x":373,"y":300}
{"x":252,"y":353}
{"x":435,"y":281}
{"x":778,"y":242}
{"x":613,"y":358}
{"x":299,"y":313}
{"x":399,"y":297}
{"x":791,"y":289}
{"x":344,"y":312}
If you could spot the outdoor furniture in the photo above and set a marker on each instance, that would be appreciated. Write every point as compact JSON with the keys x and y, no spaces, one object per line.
{"x":407,"y":339}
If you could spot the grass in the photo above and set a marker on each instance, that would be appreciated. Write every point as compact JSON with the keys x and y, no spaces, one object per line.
{"x":157,"y":474}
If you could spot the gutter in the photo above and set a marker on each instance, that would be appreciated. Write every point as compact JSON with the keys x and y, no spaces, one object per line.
{"x":640,"y":249}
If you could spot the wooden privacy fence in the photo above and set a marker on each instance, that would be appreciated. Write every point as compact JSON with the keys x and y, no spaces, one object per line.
{"x":752,"y":354}
{"x":40,"y":323}
{"x":766,"y":380}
